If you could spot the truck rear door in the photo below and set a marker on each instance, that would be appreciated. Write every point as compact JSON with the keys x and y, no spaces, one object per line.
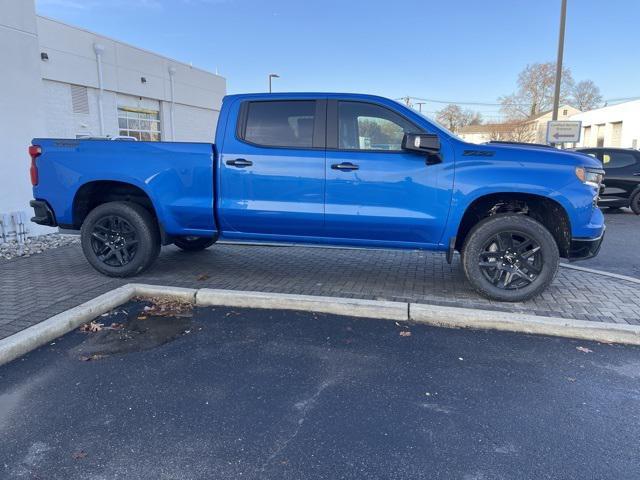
{"x":272,"y":169}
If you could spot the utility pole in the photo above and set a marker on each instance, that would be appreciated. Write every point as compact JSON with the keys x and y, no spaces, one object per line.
{"x":420,"y":105}
{"x":556,"y":95}
{"x":271,"y":76}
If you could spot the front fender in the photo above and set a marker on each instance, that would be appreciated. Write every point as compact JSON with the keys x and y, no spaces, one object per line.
{"x":480,"y":177}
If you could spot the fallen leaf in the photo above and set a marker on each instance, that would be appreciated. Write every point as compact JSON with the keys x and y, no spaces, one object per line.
{"x":116,"y":326}
{"x":584,"y":349}
{"x":79,"y":454}
{"x":142,"y":317}
{"x":90,"y":358}
{"x":405,"y":333}
{"x":571,"y":379}
{"x":202,"y":277}
{"x":167,"y":307}
{"x":91,"y":327}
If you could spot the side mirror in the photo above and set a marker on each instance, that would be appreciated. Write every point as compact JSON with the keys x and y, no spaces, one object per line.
{"x":421,"y":142}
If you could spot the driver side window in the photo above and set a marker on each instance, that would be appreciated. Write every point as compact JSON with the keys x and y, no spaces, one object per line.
{"x":365,"y":126}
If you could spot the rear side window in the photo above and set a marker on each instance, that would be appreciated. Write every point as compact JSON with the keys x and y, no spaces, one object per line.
{"x":281,"y":124}
{"x":618,"y":159}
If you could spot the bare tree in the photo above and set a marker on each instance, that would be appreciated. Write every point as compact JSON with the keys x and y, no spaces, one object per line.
{"x":512,"y":131}
{"x":454,"y":118}
{"x":523,"y":132}
{"x":586,"y":96}
{"x":535,"y":91}
{"x":475,"y":118}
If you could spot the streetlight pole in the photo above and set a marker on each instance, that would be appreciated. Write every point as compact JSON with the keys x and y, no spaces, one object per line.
{"x":272,"y":75}
{"x":420,"y":105}
{"x":556,"y":94}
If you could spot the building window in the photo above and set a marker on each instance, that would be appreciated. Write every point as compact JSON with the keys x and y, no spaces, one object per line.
{"x":143,"y":125}
{"x":565,"y":112}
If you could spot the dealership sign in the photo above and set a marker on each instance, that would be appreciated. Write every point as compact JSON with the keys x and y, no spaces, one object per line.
{"x":563,"y":132}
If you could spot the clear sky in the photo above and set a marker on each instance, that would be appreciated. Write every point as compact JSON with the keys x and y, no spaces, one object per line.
{"x":458,"y":50}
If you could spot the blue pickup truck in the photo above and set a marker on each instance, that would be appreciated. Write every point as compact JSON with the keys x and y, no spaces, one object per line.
{"x":331,"y":169}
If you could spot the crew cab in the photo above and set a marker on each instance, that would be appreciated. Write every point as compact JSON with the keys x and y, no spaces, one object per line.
{"x":330,"y":169}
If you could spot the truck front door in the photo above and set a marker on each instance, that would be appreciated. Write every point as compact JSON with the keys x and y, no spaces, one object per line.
{"x":272,"y":170}
{"x":376,"y":192}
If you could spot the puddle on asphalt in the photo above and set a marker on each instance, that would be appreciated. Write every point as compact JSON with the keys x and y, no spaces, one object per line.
{"x":133,"y":327}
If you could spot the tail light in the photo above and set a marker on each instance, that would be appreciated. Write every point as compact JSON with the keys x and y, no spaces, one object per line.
{"x":34,"y":151}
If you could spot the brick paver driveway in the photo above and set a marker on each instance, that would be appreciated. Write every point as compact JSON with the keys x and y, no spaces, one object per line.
{"x":35,"y":288}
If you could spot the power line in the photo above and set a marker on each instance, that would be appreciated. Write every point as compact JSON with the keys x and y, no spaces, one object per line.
{"x":489,"y":104}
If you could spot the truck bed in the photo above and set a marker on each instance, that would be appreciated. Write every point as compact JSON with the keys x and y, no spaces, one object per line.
{"x":177,"y":177}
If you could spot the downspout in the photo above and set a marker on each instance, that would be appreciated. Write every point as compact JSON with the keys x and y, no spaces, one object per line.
{"x":172,"y":72}
{"x":99,"y":49}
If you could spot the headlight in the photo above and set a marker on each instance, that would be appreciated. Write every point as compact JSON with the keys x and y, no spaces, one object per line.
{"x":592,"y":178}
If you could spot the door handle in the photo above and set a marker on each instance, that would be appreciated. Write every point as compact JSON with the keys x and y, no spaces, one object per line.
{"x":239,"y":162}
{"x":345,"y":166}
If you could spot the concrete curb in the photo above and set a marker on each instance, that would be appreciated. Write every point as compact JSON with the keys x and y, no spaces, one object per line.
{"x":147,"y":291}
{"x":281,"y":301}
{"x":601,"y":272}
{"x":44,"y":332}
{"x":37,"y":335}
{"x":454,"y":317}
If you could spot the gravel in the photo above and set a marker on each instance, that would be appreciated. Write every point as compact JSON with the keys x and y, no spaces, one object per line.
{"x":35,"y":245}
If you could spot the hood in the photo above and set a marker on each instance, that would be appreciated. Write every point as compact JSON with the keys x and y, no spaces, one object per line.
{"x":525,"y":152}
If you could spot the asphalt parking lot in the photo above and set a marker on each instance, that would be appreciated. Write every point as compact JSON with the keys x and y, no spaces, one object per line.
{"x":231,"y":394}
{"x":620,"y":252}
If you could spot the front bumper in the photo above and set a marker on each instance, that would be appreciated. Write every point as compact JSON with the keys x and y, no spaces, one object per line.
{"x":583,"y":248}
{"x":43,"y":213}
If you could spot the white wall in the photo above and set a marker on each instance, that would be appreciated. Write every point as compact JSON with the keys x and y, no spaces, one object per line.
{"x":35,"y":94}
{"x":72,"y":60}
{"x":20,"y":102}
{"x":628,"y":113}
{"x":194,"y":124}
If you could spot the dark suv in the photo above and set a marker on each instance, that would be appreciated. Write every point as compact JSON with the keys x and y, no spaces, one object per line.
{"x":622,"y":176}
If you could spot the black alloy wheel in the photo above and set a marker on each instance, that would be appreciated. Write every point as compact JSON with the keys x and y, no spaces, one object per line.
{"x":114,"y":241}
{"x":120,"y":239}
{"x":510,"y":257}
{"x":510,"y":260}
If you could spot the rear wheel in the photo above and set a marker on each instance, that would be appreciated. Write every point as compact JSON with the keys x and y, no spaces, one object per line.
{"x":120,"y":239}
{"x":194,"y":244}
{"x":510,"y":258}
{"x":635,"y":203}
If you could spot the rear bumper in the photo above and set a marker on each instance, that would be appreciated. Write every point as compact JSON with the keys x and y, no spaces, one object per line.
{"x":583,"y":248}
{"x":43,"y":213}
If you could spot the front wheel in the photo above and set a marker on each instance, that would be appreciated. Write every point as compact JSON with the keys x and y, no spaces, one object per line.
{"x":510,"y":258}
{"x":120,"y":239}
{"x":635,"y":203}
{"x":194,"y":244}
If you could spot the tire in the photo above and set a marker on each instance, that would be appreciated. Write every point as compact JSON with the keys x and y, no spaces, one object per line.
{"x":120,"y":239}
{"x":194,"y":244}
{"x":523,"y":250}
{"x":634,"y":203}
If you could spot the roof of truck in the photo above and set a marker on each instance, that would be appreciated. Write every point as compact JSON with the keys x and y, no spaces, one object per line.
{"x":304,"y":95}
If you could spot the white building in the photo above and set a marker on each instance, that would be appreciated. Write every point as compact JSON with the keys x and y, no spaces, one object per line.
{"x":530,"y":130}
{"x":613,"y":126}
{"x":58,"y":80}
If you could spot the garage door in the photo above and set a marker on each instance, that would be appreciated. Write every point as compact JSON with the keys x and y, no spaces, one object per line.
{"x":616,"y":134}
